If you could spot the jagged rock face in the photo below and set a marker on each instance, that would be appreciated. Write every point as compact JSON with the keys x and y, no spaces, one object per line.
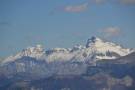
{"x":92,"y":41}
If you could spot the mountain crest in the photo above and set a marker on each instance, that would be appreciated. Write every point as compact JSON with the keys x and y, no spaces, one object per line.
{"x":94,"y":47}
{"x":93,"y":40}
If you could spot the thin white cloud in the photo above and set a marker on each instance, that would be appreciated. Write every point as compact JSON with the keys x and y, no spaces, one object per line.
{"x":127,"y":1}
{"x":76,"y":8}
{"x":99,"y":1}
{"x":111,"y":31}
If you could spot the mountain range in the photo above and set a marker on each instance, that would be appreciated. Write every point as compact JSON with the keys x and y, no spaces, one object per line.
{"x":100,"y":65}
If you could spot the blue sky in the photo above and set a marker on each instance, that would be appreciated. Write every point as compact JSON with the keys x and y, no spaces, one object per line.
{"x":64,"y":23}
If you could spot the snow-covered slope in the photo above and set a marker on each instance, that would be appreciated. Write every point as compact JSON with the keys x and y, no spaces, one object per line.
{"x":95,"y":49}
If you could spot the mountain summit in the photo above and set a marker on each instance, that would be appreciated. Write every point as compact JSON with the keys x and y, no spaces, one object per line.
{"x":92,"y":40}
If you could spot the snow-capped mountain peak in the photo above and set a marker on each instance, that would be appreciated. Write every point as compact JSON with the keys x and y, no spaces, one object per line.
{"x":106,"y":50}
{"x":34,"y":52}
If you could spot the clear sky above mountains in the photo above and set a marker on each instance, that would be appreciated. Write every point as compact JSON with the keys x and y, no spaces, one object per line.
{"x":64,"y":23}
